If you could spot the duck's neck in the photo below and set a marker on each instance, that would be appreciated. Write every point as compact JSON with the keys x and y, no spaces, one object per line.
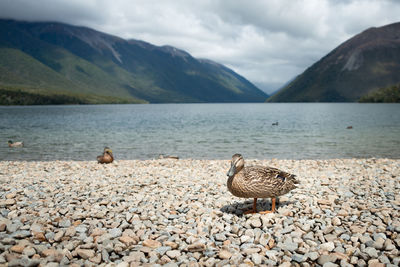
{"x":229,"y":183}
{"x":232,"y":181}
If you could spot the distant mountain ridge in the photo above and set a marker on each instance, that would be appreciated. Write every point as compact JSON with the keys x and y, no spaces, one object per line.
{"x":81,"y":63}
{"x":361,"y":65}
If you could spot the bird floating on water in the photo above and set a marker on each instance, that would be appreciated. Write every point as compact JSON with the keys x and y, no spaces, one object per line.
{"x":107,"y":156}
{"x":275,"y":123}
{"x":15,"y":144}
{"x":258,"y":182}
{"x":349,"y":127}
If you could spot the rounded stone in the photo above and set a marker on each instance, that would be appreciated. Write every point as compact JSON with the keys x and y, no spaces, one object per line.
{"x":224,"y":254}
{"x":336,"y":221}
{"x":329,"y":246}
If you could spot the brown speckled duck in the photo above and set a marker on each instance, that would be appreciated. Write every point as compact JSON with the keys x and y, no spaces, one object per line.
{"x":258,"y":182}
{"x":107,"y":156}
{"x":15,"y":144}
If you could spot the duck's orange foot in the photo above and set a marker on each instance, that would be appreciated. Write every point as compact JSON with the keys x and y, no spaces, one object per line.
{"x":250,"y":211}
{"x":266,"y":212}
{"x":272,"y":207}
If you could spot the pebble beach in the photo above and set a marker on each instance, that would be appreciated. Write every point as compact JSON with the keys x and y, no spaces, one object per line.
{"x":169,"y":212}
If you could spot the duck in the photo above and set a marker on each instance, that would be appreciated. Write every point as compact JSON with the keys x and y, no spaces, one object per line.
{"x":258,"y":182}
{"x":107,"y":156}
{"x":15,"y":144}
{"x":275,"y":123}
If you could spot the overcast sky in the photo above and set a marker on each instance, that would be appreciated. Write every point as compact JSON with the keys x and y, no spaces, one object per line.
{"x":267,"y":41}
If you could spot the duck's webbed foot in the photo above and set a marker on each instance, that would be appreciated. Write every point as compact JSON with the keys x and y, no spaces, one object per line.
{"x":273,"y":201}
{"x":266,"y":211}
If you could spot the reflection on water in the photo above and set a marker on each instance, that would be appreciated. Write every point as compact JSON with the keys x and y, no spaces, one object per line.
{"x":212,"y":131}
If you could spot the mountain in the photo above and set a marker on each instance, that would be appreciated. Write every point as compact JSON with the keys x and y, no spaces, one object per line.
{"x":41,"y":62}
{"x":362,"y":64}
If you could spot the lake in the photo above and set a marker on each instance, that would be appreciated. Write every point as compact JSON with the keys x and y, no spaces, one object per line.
{"x":202,"y":131}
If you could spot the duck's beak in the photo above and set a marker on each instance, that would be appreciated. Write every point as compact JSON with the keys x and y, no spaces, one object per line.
{"x":232,"y":170}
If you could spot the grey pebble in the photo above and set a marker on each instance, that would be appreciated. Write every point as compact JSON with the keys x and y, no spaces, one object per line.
{"x":256,"y":258}
{"x":21,"y":234}
{"x":81,"y":228}
{"x":220,"y":237}
{"x":115,"y":232}
{"x":162,"y":250}
{"x":326,"y":259}
{"x":345,"y":237}
{"x":299,"y":258}
{"x":65,"y":223}
{"x":372,"y":252}
{"x":105,"y":256}
{"x":313,"y":255}
{"x":50,"y":236}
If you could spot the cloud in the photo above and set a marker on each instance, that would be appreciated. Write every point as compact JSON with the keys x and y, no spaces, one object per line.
{"x":268,"y":42}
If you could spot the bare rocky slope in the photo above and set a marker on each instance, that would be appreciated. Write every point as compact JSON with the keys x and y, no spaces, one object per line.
{"x":362,"y":64}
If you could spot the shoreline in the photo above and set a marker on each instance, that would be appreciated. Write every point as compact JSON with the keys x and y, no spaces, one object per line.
{"x":179,"y":212}
{"x":177,"y":158}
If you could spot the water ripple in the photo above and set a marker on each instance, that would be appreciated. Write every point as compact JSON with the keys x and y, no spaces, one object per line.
{"x":214,"y":131}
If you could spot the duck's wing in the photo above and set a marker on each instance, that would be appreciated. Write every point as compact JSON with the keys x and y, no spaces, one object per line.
{"x":270,"y":179}
{"x":267,"y":174}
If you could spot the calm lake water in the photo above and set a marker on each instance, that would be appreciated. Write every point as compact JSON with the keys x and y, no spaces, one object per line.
{"x":201,"y":131}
